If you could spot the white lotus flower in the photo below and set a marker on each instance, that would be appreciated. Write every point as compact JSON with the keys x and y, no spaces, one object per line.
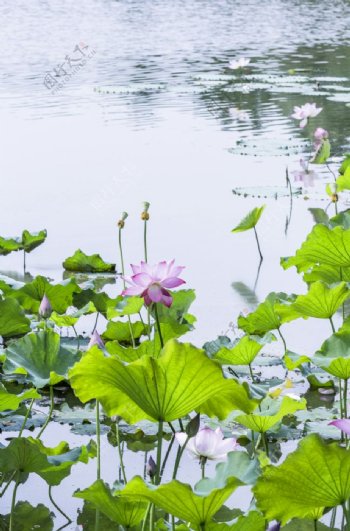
{"x":208,"y":443}
{"x":303,"y":113}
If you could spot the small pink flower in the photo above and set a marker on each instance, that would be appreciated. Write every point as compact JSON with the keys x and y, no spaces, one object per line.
{"x":152,"y":282}
{"x":303,"y":113}
{"x":320,"y":134}
{"x":342,"y":424}
{"x":208,"y":443}
{"x":45,"y":308}
{"x":96,"y":340}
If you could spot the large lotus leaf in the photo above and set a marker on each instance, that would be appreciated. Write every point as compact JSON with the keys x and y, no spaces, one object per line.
{"x":28,"y":518}
{"x":32,"y":240}
{"x":128,"y":354}
{"x":72,"y":318}
{"x":253,"y":521}
{"x":119,"y":509}
{"x":315,"y":476}
{"x":238,"y":465}
{"x":180,"y":500}
{"x":101,"y":301}
{"x":13,"y":322}
{"x":250,"y":220}
{"x":182,"y":300}
{"x":307,"y":525}
{"x":334,"y":355}
{"x":41,"y":357}
{"x":270,"y":413}
{"x":28,"y":455}
{"x":7,"y":245}
{"x":266,"y":317}
{"x":322,"y":246}
{"x":125,"y":306}
{"x":59,"y":295}
{"x":120,"y":331}
{"x":12,"y":401}
{"x":233,"y":396}
{"x":345,"y":164}
{"x":243,"y":353}
{"x":170,"y":330}
{"x":327,"y":273}
{"x":167,"y":388}
{"x":320,"y":302}
{"x":83,"y":263}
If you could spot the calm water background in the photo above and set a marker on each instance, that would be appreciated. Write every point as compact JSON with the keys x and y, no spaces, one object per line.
{"x":147,"y":118}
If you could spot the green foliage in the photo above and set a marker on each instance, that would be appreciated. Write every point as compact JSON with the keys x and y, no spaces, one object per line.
{"x":334,"y":355}
{"x":7,"y":245}
{"x":323,"y":152}
{"x":28,"y":518}
{"x":13,"y":322}
{"x":266,"y":317}
{"x":243,"y":353}
{"x":12,"y":401}
{"x":31,"y":241}
{"x":250,"y":220}
{"x":120,"y":331}
{"x":81,"y":262}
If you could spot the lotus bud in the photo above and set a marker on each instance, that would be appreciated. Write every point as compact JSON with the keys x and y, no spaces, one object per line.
{"x":96,"y":340}
{"x":275,"y":527}
{"x":193,"y":426}
{"x":121,"y":222}
{"x":145,"y":214}
{"x":45,"y":308}
{"x":320,"y":134}
{"x":151,"y":467}
{"x":333,"y":190}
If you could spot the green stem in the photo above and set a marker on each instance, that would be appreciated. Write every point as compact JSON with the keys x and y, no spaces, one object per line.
{"x":77,"y":336}
{"x":315,"y":525}
{"x":334,"y":514}
{"x":98,"y":439}
{"x":121,"y":461}
{"x":158,"y":325}
{"x":167,"y":456}
{"x":180,"y":451}
{"x":123,"y":273}
{"x":24,"y":262}
{"x":145,"y":239}
{"x":8,"y":484}
{"x":13,"y":503}
{"x":332,"y":325}
{"x":26,"y":417}
{"x":94,"y":328}
{"x":265,"y":443}
{"x":251,"y":372}
{"x":57,"y":507}
{"x":258,"y":244}
{"x":52,"y":403}
{"x":149,"y":322}
{"x":159,"y":452}
{"x":283,"y":340}
{"x":203,"y":461}
{"x":144,"y":523}
{"x":345,"y":398}
{"x":341,"y":400}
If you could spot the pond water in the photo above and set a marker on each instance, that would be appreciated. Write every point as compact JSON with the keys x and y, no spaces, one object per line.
{"x":148,"y":118}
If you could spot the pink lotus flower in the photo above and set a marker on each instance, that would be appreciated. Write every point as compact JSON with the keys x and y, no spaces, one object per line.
{"x":208,"y":444}
{"x":303,"y":113}
{"x":320,"y":134}
{"x":304,"y":175}
{"x":96,"y":339}
{"x":238,"y":63}
{"x":152,"y":282}
{"x":45,"y":308}
{"x":342,"y":424}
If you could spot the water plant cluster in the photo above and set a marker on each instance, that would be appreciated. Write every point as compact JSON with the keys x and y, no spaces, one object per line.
{"x":153,"y":393}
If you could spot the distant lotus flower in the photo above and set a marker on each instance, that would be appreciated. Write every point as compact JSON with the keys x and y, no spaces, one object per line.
{"x":342,"y":424}
{"x":320,"y":134}
{"x":152,"y":281}
{"x":303,"y":113}
{"x":304,"y":175}
{"x":96,"y":340}
{"x":238,"y":114}
{"x":45,"y":308}
{"x":208,"y":443}
{"x":238,"y":63}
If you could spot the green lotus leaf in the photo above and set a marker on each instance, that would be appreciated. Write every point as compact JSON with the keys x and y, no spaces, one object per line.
{"x":81,"y":262}
{"x":32,"y":240}
{"x":293,"y":361}
{"x":180,"y":500}
{"x":182,"y":300}
{"x":41,"y":357}
{"x":345,"y":164}
{"x":307,"y":525}
{"x":63,"y":320}
{"x":28,"y":518}
{"x":128,"y":354}
{"x":232,"y":396}
{"x":12,"y":401}
{"x":320,"y":302}
{"x":118,"y":509}
{"x":327,"y":273}
{"x":125,"y":306}
{"x":322,"y":246}
{"x":13,"y":322}
{"x":88,"y":518}
{"x":253,"y":521}
{"x":341,"y":220}
{"x":167,"y":388}
{"x":7,"y":245}
{"x":319,"y":215}
{"x":266,"y":317}
{"x":170,"y":330}
{"x":243,"y":353}
{"x":272,"y":411}
{"x":60,"y":295}
{"x":250,"y":220}
{"x":315,"y":476}
{"x":343,"y":181}
{"x":120,"y":331}
{"x":101,"y":301}
{"x":27,"y":455}
{"x":334,"y":355}
{"x":322,"y":153}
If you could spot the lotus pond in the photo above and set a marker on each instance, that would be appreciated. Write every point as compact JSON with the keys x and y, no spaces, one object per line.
{"x":153,"y":395}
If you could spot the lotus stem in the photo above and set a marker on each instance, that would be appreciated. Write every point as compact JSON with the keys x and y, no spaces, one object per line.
{"x":167,"y":456}
{"x":95,"y":325}
{"x":13,"y":503}
{"x":77,"y":336}
{"x":98,"y":439}
{"x":333,"y":517}
{"x":251,"y":372}
{"x":123,"y":272}
{"x":57,"y":507}
{"x":26,"y":417}
{"x":258,"y":244}
{"x":120,"y":453}
{"x":24,"y":261}
{"x":283,"y":340}
{"x":7,"y":484}
{"x":52,"y":404}
{"x":145,"y":239}
{"x":158,"y":325}
{"x":180,"y":451}
{"x":332,"y":325}
{"x":144,"y":523}
{"x":202,"y":462}
{"x":265,"y":443}
{"x":159,"y":452}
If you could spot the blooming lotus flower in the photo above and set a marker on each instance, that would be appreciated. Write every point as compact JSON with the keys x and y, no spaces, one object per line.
{"x":304,"y":175}
{"x":96,"y":340}
{"x":238,"y":114}
{"x":342,"y":424}
{"x":238,"y":63}
{"x":208,"y":444}
{"x":303,"y":113}
{"x":45,"y":308}
{"x":152,"y":282}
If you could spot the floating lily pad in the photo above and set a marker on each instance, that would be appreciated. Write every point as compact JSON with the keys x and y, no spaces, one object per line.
{"x":268,"y":192}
